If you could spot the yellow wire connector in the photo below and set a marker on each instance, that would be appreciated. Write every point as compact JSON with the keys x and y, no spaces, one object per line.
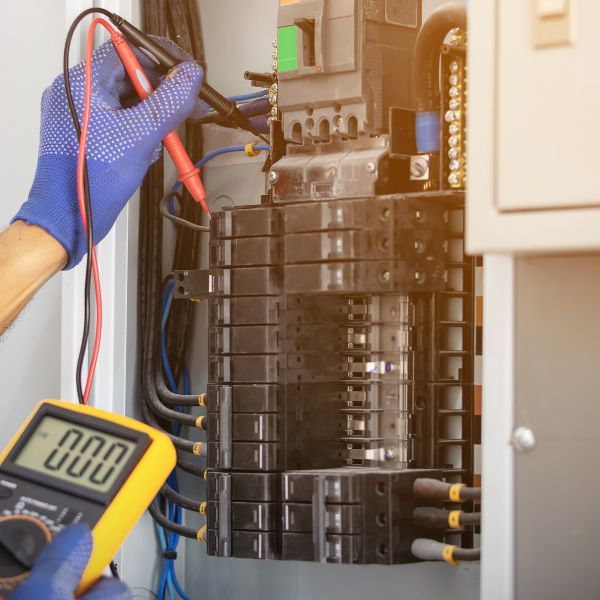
{"x":202,"y":400}
{"x":250,"y":150}
{"x":201,"y":534}
{"x":203,"y":508}
{"x":448,"y":555}
{"x":454,"y":492}
{"x":454,"y":519}
{"x":197,"y":449}
{"x":200,"y":422}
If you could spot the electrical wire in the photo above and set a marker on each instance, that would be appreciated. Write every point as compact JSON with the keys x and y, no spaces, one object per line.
{"x":439,"y":518}
{"x":171,"y":399}
{"x":82,"y":192}
{"x":178,"y":326}
{"x":170,"y":490}
{"x":219,"y":152}
{"x":425,"y":549}
{"x":83,"y":196}
{"x":435,"y":489}
{"x":173,"y":192}
{"x":247,"y":97}
{"x":189,"y":467}
{"x":164,"y":211}
{"x":172,"y":493}
{"x":87,"y":212}
{"x":165,"y":394}
{"x":180,"y":499}
{"x":171,"y":526}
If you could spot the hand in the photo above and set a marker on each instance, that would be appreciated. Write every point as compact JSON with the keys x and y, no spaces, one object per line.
{"x":123,"y":141}
{"x":59,"y":567}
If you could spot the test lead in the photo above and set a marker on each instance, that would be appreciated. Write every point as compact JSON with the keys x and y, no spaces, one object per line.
{"x":167,"y":61}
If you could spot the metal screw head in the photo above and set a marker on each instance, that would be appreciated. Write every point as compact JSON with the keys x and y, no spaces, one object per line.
{"x":389,"y":455}
{"x":371,"y":167}
{"x":523,"y":439}
{"x":419,"y":167}
{"x":273,"y":176}
{"x":385,"y":276}
{"x":339,"y":121}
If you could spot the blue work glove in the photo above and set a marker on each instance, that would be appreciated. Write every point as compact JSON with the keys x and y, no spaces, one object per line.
{"x":123,"y":141}
{"x":59,"y":567}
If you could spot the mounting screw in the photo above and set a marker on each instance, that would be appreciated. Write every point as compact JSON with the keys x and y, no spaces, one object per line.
{"x":371,"y":167}
{"x":339,"y":121}
{"x":389,"y":455}
{"x":385,"y":276}
{"x":523,"y":439}
{"x":273,"y":176}
{"x":419,"y":167}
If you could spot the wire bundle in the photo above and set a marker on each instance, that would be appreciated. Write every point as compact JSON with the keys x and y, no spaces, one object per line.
{"x":438,"y":518}
{"x":162,"y":325}
{"x":169,"y":540}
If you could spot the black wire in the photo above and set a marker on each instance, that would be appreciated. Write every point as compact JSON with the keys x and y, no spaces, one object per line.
{"x":88,"y":210}
{"x":470,"y":493}
{"x":114,"y":569}
{"x":170,"y":525}
{"x":171,"y":399}
{"x":466,"y":554}
{"x":189,"y":467}
{"x":180,"y":499}
{"x":88,"y":207}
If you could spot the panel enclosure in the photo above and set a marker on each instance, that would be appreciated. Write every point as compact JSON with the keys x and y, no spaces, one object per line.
{"x":533,"y":182}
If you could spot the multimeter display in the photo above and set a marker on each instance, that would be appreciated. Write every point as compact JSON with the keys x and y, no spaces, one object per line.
{"x":76,"y":453}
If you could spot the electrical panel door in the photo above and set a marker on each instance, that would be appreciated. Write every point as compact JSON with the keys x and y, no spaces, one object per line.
{"x":534,"y":181}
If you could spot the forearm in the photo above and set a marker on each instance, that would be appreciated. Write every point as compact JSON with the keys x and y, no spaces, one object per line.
{"x":28,"y":258}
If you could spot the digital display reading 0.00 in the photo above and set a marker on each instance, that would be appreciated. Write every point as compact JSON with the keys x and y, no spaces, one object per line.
{"x":78,"y":454}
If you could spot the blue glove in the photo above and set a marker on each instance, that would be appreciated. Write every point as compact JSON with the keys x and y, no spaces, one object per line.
{"x":122,"y":144}
{"x":59,"y":568}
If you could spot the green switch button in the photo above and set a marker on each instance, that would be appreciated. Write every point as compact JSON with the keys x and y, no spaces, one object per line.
{"x":287,"y":48}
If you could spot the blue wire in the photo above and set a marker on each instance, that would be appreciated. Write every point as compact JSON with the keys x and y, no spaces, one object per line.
{"x":168,"y":578}
{"x":170,"y":291}
{"x":219,"y":152}
{"x":187,"y":385}
{"x":176,"y":583}
{"x":165,"y":581}
{"x":252,"y":96}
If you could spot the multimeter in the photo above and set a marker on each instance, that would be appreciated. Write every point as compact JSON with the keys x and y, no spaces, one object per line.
{"x":71,"y":463}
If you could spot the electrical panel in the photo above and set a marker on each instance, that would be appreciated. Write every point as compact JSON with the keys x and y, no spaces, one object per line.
{"x":342,"y":309}
{"x":532,"y":123}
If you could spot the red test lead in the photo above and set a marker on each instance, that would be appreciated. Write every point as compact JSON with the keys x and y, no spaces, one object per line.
{"x":188,"y":173}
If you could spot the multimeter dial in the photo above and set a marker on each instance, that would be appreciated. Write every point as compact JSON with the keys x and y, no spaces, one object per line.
{"x":22,"y":538}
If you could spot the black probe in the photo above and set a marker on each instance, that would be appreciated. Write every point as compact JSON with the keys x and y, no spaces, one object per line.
{"x":167,"y":61}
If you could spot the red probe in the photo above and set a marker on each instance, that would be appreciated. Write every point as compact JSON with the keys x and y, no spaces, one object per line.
{"x":188,"y":173}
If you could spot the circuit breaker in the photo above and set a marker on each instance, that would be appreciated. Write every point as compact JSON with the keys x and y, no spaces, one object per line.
{"x":342,"y":327}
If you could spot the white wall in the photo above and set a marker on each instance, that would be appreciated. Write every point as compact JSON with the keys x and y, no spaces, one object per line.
{"x":32,"y":49}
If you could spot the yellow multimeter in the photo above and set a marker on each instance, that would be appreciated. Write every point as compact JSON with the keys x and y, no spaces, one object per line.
{"x":71,"y":463}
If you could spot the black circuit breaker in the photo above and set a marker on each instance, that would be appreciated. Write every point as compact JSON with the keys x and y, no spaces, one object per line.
{"x":329,"y":376}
